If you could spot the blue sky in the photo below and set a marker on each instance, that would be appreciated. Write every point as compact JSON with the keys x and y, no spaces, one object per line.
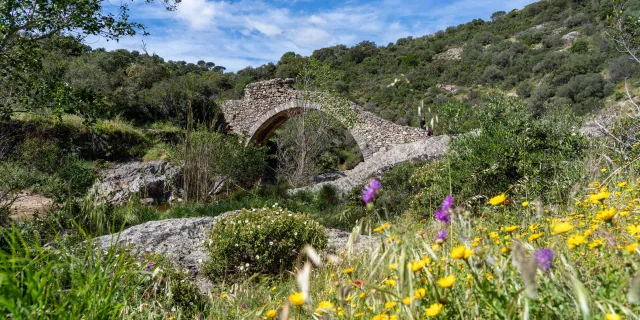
{"x":236,"y":34}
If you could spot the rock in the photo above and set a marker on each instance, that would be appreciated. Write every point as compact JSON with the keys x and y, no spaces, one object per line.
{"x":428,"y":149}
{"x":329,"y":176}
{"x":451,"y":54}
{"x":450,"y":88}
{"x":153,"y":181}
{"x":570,"y":37}
{"x":183,"y":242}
{"x":512,"y":94}
{"x":27,"y":204}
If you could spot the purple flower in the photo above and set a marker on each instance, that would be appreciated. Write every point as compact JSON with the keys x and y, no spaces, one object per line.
{"x":443,"y":217}
{"x":447,"y":203}
{"x":544,"y":258}
{"x":369,"y":192}
{"x":149,"y":266}
{"x":442,"y":235}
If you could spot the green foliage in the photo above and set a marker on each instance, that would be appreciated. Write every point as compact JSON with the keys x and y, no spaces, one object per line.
{"x":580,"y":46}
{"x":212,"y":160}
{"x":511,"y":149}
{"x":265,"y":241}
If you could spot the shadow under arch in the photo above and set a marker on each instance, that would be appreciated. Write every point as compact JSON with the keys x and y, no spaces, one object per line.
{"x":268,"y":123}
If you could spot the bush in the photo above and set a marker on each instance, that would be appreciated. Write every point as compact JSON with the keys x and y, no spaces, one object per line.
{"x":263,"y":241}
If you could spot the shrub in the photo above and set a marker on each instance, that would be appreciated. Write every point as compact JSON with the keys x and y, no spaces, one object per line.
{"x":264,"y":241}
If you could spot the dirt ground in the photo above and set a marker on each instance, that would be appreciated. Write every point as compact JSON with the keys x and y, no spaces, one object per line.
{"x":28,"y":204}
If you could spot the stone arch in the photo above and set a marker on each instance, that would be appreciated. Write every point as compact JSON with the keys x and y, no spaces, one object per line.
{"x":266,"y":124}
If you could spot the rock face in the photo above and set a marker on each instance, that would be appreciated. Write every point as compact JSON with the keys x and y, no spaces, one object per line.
{"x":268,"y":104}
{"x":182,"y":241}
{"x":153,"y":182}
{"x":380,"y":162}
{"x":570,"y":37}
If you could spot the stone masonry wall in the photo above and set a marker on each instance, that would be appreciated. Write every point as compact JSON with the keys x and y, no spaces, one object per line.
{"x":263,"y":100}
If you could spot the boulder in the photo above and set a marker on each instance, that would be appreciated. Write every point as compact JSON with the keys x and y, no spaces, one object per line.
{"x":153,"y":182}
{"x":570,"y":37}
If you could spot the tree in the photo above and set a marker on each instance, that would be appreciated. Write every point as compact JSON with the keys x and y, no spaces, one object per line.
{"x":305,"y":138}
{"x":498,"y":15}
{"x":30,"y":28}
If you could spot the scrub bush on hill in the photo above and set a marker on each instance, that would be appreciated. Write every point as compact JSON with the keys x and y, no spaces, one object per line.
{"x":266,"y":241}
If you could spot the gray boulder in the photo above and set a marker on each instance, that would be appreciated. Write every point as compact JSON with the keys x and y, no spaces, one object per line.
{"x":152,"y":182}
{"x":570,"y":37}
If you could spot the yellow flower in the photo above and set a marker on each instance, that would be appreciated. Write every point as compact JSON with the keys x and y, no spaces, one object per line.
{"x":419,"y":293}
{"x":535,"y":236}
{"x":606,"y":215}
{"x":296,"y":299}
{"x":511,"y":228}
{"x":358,"y":315}
{"x":525,"y":204}
{"x":382,"y":227}
{"x":497,"y":199}
{"x":271,"y":313}
{"x":324,"y":305}
{"x":622,"y":184}
{"x":406,"y":301}
{"x":505,"y":250}
{"x":633,"y":230}
{"x":390,"y":282}
{"x":393,"y":266}
{"x":390,"y":304}
{"x":596,"y":243}
{"x":361,"y":295}
{"x":348,"y":270}
{"x":575,"y":240}
{"x":274,"y":288}
{"x":611,"y":316}
{"x":222,"y":296}
{"x":562,"y":227}
{"x":603,"y":170}
{"x":458,"y":252}
{"x":493,"y":235}
{"x":417,"y":265}
{"x":597,"y":197}
{"x":433,"y":310}
{"x":631,"y":248}
{"x":447,"y":282}
{"x":468,"y":253}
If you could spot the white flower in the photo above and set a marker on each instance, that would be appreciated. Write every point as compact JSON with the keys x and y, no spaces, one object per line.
{"x":270,"y":243}
{"x":257,"y":257}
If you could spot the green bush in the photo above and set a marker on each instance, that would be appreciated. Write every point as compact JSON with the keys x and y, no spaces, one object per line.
{"x":264,"y":241}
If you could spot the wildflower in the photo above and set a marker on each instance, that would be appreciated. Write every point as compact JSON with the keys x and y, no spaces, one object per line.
{"x":544,"y":258}
{"x":433,"y":310}
{"x":222,"y":296}
{"x":393,"y":266}
{"x":447,"y":282}
{"x":622,"y":184}
{"x":606,"y":215}
{"x":442,"y":235}
{"x":382,"y":227}
{"x":390,"y":304}
{"x":575,"y":240}
{"x":497,"y":199}
{"x":511,"y":228}
{"x":297,"y":299}
{"x":631,"y":248}
{"x":271,"y":313}
{"x":149,"y":266}
{"x":390,"y":282}
{"x":493,"y":235}
{"x":419,"y":293}
{"x":505,"y":250}
{"x":535,"y":236}
{"x":447,"y":203}
{"x":348,"y":270}
{"x":603,"y":170}
{"x":597,"y":197}
{"x":406,"y":301}
{"x":596,"y":243}
{"x":443,"y":216}
{"x":324,"y":305}
{"x":562,"y":227}
{"x":611,"y":316}
{"x":416,"y":265}
{"x":633,"y":230}
{"x":525,"y":204}
{"x":458,"y":252}
{"x":370,"y":191}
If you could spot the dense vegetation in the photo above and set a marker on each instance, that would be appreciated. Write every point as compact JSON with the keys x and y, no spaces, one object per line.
{"x":544,"y":223}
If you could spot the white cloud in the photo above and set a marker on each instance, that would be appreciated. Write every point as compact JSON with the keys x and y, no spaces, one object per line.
{"x":252,"y":32}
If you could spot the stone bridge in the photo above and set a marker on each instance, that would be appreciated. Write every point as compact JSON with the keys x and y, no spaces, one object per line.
{"x":268,"y":104}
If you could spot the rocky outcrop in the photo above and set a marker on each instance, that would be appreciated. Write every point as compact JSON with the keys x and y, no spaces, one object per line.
{"x":183,"y":242}
{"x":152,"y":182}
{"x":380,"y":162}
{"x":570,"y":37}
